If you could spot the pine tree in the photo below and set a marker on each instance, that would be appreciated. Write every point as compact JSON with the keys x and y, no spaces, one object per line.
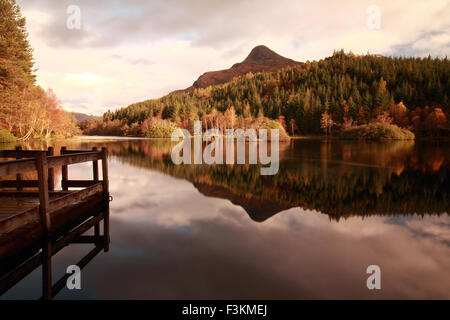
{"x":16,"y":62}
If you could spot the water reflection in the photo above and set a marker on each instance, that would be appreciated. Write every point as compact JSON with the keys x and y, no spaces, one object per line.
{"x":338,"y":179}
{"x":188,"y":232}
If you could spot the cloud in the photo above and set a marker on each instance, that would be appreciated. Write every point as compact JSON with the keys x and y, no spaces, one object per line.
{"x":145,"y":49}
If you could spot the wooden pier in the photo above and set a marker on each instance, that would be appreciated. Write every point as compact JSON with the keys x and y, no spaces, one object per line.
{"x":36,"y":221}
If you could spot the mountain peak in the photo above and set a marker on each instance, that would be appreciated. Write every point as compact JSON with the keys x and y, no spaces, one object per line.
{"x":262,"y":54}
{"x":260,"y":59}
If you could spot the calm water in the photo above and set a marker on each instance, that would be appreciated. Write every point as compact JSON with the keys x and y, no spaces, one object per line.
{"x":334,"y":208}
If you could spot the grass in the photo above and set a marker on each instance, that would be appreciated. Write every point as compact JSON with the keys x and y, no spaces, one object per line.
{"x":6,"y":136}
{"x":376,"y":131}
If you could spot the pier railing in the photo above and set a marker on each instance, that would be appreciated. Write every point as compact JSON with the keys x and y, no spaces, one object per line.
{"x":51,"y":201}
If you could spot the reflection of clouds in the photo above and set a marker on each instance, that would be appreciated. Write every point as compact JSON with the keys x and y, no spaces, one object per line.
{"x":153,"y":196}
{"x":224,"y":259}
{"x":184,"y":245}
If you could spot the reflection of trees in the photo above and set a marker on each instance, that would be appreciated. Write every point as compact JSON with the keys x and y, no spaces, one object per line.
{"x":339,"y":179}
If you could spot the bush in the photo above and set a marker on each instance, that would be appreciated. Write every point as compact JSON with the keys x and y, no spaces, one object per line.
{"x":156,"y":127}
{"x":377,"y":131}
{"x":6,"y":136}
{"x":269,"y":124}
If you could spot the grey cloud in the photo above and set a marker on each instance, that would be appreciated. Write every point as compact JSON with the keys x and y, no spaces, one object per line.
{"x":134,"y":61}
{"x":107,"y":24}
{"x":211,"y":23}
{"x":425,"y":43}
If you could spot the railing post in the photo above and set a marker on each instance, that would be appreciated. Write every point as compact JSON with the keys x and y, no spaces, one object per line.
{"x":64,"y":173}
{"x":106,"y":194}
{"x":105,"y":171}
{"x":51,"y":171}
{"x":19,"y":176}
{"x":96,"y":179}
{"x":42,"y":169}
{"x":95,"y":166}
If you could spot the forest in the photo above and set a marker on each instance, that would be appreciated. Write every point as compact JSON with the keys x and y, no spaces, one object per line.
{"x":26,"y":110}
{"x":318,"y":97}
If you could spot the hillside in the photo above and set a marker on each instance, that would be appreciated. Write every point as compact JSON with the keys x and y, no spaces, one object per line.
{"x":81,"y":117}
{"x":346,"y":89}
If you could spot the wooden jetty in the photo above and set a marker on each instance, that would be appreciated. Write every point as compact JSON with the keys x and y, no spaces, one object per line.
{"x":37,"y":221}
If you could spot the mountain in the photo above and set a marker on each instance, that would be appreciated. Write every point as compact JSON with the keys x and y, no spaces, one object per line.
{"x":260,"y":59}
{"x":412,"y":93}
{"x":83,"y":117}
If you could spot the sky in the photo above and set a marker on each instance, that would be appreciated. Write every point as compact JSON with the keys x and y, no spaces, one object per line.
{"x":107,"y":54}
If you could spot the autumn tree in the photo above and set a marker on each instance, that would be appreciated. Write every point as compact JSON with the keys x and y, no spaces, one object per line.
{"x":26,"y":110}
{"x":230,"y":117}
{"x":399,"y":114}
{"x":436,"y":121}
{"x":16,"y":62}
{"x":326,"y":123}
{"x":347,"y":120}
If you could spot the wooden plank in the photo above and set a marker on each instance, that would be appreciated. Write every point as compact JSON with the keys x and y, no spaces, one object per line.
{"x":30,"y":193}
{"x":67,"y":159}
{"x":18,"y":153}
{"x":19,"y":184}
{"x":17,"y":166}
{"x":78,"y":183}
{"x":66,"y":151}
{"x":74,"y":197}
{"x":25,"y":165}
{"x":19,"y":219}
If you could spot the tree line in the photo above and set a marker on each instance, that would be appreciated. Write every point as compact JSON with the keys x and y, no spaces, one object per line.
{"x":323,"y":96}
{"x":26,"y":110}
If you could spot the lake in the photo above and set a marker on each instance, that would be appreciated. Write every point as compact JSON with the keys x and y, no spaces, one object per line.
{"x":308,"y":232}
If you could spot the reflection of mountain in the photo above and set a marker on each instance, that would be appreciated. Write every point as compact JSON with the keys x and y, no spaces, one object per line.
{"x":258,"y":209}
{"x":340,"y":179}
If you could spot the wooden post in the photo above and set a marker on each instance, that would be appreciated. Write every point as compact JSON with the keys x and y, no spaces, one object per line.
{"x":96,"y":179}
{"x":51,"y":171}
{"x":105,"y":171}
{"x":19,"y":176}
{"x":47,"y":286}
{"x":95,"y":167}
{"x":42,"y":169}
{"x":106,"y":193}
{"x":64,"y":173}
